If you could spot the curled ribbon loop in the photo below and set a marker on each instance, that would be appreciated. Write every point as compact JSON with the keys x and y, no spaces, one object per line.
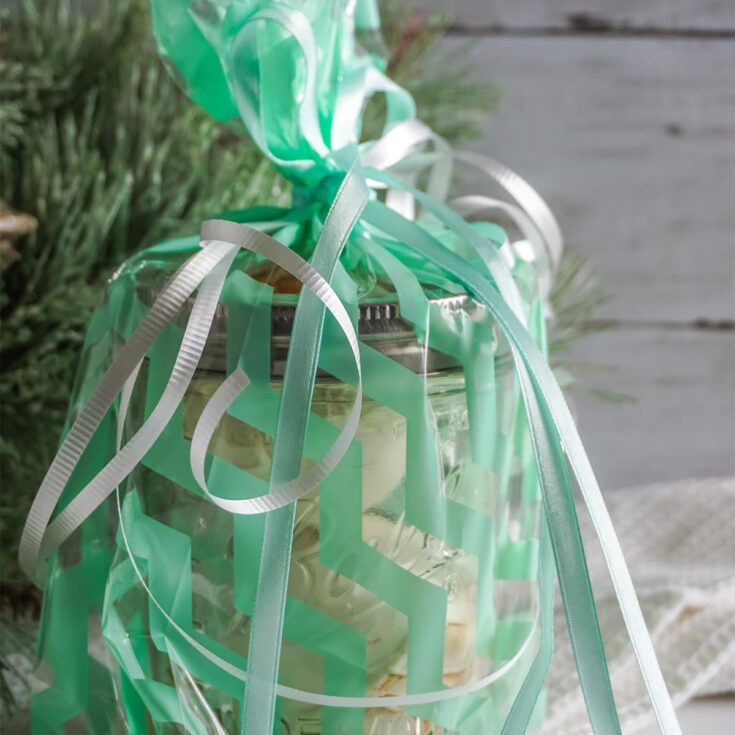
{"x":167,"y":305}
{"x":41,"y":535}
{"x":237,"y":381}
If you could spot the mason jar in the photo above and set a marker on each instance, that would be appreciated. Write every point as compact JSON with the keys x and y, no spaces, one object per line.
{"x":414,"y":565}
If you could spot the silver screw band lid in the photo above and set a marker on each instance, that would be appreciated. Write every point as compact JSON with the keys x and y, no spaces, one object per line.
{"x":380,"y":326}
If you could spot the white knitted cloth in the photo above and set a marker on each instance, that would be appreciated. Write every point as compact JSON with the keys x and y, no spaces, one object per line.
{"x":679,"y":542}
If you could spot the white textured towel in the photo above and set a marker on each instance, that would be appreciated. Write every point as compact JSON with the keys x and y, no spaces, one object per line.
{"x":679,"y":542}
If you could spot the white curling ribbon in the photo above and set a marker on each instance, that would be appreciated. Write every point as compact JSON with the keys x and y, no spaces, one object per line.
{"x":531,"y":214}
{"x":132,"y":453}
{"x":165,"y":308}
{"x":41,"y":535}
{"x":530,"y":249}
{"x":232,"y":386}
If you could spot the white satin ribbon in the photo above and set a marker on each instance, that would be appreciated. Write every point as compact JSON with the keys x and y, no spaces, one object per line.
{"x":222,"y":240}
{"x":229,"y":390}
{"x":531,"y":214}
{"x":165,"y":309}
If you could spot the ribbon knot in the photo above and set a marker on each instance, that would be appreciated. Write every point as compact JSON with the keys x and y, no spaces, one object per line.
{"x":322,"y":192}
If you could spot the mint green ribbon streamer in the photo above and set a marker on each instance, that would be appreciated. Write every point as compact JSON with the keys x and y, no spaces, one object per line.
{"x":522,"y":708}
{"x":557,"y":415}
{"x":566,"y":539}
{"x":564,"y":530}
{"x":298,"y":384}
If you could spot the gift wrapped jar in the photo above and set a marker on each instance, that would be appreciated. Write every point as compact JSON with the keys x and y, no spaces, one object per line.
{"x":301,"y":487}
{"x":413,"y":566}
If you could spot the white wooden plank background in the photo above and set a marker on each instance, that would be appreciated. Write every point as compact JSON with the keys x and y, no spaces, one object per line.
{"x":628,"y":129}
{"x":682,"y":422}
{"x":713,"y":16}
{"x":631,"y":141}
{"x":630,"y":135}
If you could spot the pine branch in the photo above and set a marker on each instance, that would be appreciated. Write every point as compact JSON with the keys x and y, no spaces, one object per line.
{"x":449,"y":98}
{"x":575,"y":298}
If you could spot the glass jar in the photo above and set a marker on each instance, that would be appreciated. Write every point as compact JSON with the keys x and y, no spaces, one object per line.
{"x":413,"y":567}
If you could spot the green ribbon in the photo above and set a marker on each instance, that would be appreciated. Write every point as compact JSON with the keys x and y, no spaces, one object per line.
{"x":298,"y":385}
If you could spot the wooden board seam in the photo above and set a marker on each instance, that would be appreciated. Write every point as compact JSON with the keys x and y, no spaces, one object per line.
{"x":611,"y":31}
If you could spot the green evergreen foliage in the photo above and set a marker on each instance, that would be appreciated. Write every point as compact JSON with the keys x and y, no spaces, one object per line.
{"x":102,"y":148}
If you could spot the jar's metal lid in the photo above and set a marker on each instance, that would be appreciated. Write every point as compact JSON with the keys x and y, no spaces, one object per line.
{"x":380,"y":326}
